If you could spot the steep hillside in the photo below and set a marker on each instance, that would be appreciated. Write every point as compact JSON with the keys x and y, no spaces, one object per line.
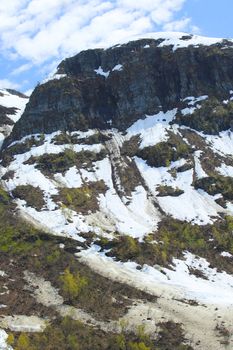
{"x":12,"y":105}
{"x":122,"y":163}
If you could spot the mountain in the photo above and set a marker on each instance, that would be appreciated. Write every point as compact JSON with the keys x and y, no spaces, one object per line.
{"x":117,"y":200}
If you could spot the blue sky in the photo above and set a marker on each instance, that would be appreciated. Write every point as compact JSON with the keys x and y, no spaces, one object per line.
{"x":35,"y":35}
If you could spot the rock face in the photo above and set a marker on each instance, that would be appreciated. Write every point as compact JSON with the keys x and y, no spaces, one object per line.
{"x":115,"y":87}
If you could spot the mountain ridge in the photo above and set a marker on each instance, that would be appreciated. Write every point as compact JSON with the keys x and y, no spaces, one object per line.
{"x":146,"y":80}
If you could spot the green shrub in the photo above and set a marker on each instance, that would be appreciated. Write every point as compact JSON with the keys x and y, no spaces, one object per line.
{"x":72,"y":284}
{"x":164,"y":152}
{"x":211,"y":118}
{"x":8,"y":154}
{"x":168,"y":191}
{"x":81,"y":199}
{"x":138,"y":346}
{"x":216,"y":184}
{"x":63,"y":161}
{"x":32,"y":195}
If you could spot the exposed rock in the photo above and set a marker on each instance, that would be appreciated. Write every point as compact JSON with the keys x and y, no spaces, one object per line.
{"x":117,"y":86}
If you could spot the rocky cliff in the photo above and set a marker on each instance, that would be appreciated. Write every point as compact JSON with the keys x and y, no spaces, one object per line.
{"x":115,"y":87}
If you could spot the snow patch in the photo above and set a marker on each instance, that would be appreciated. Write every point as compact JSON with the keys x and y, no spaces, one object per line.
{"x":226,"y":254}
{"x":53,"y":76}
{"x":175,"y":39}
{"x":152,"y":129}
{"x":225,"y":170}
{"x":100,"y":71}
{"x":222,"y":143}
{"x":193,"y":100}
{"x":9,"y":100}
{"x":200,"y":173}
{"x":195,"y":206}
{"x":118,"y":67}
{"x":178,"y":283}
{"x":3,"y":341}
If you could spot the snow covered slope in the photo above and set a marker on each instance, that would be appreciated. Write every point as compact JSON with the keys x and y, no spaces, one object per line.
{"x":169,"y":187}
{"x":12,"y":105}
{"x":178,"y":39}
{"x":132,"y":160}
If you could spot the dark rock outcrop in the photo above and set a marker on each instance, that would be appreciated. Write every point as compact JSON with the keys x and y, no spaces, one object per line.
{"x":151,"y":79}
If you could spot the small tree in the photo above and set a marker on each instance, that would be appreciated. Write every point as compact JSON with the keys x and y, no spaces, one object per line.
{"x":72,"y":284}
{"x":23,"y":342}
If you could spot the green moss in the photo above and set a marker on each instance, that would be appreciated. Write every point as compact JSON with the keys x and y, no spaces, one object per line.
{"x":4,"y":197}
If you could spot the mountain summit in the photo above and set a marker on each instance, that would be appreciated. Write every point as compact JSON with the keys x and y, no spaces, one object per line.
{"x":117,"y":86}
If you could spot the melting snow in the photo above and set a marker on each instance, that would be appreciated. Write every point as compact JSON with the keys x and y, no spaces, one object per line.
{"x":175,"y":39}
{"x":195,"y":206}
{"x":100,"y":71}
{"x":187,"y":111}
{"x":225,"y":170}
{"x":9,"y":100}
{"x":118,"y":67}
{"x":226,"y":254}
{"x":54,"y":76}
{"x":152,"y":129}
{"x":3,"y":341}
{"x":216,"y":289}
{"x":200,"y":173}
{"x":193,"y":100}
{"x":222,"y":143}
{"x":138,"y":217}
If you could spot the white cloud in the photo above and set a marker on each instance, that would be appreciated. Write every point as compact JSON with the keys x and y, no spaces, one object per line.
{"x":38,"y":30}
{"x":7,"y":84}
{"x":42,"y":32}
{"x":23,"y":68}
{"x":177,"y":26}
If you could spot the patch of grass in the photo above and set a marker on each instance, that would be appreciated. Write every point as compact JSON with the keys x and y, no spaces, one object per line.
{"x":63,"y":161}
{"x":129,"y":176}
{"x":22,"y":247}
{"x":16,"y":236}
{"x":130,"y":147}
{"x":67,"y":334}
{"x":172,"y":239}
{"x":32,"y":195}
{"x":168,"y":191}
{"x":8,"y":154}
{"x":163,"y":153}
{"x":69,"y":138}
{"x":211,"y":118}
{"x":216,"y":184}
{"x":82,"y":199}
{"x":171,"y":336}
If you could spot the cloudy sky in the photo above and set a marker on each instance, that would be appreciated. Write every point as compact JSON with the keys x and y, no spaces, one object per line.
{"x":36,"y":34}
